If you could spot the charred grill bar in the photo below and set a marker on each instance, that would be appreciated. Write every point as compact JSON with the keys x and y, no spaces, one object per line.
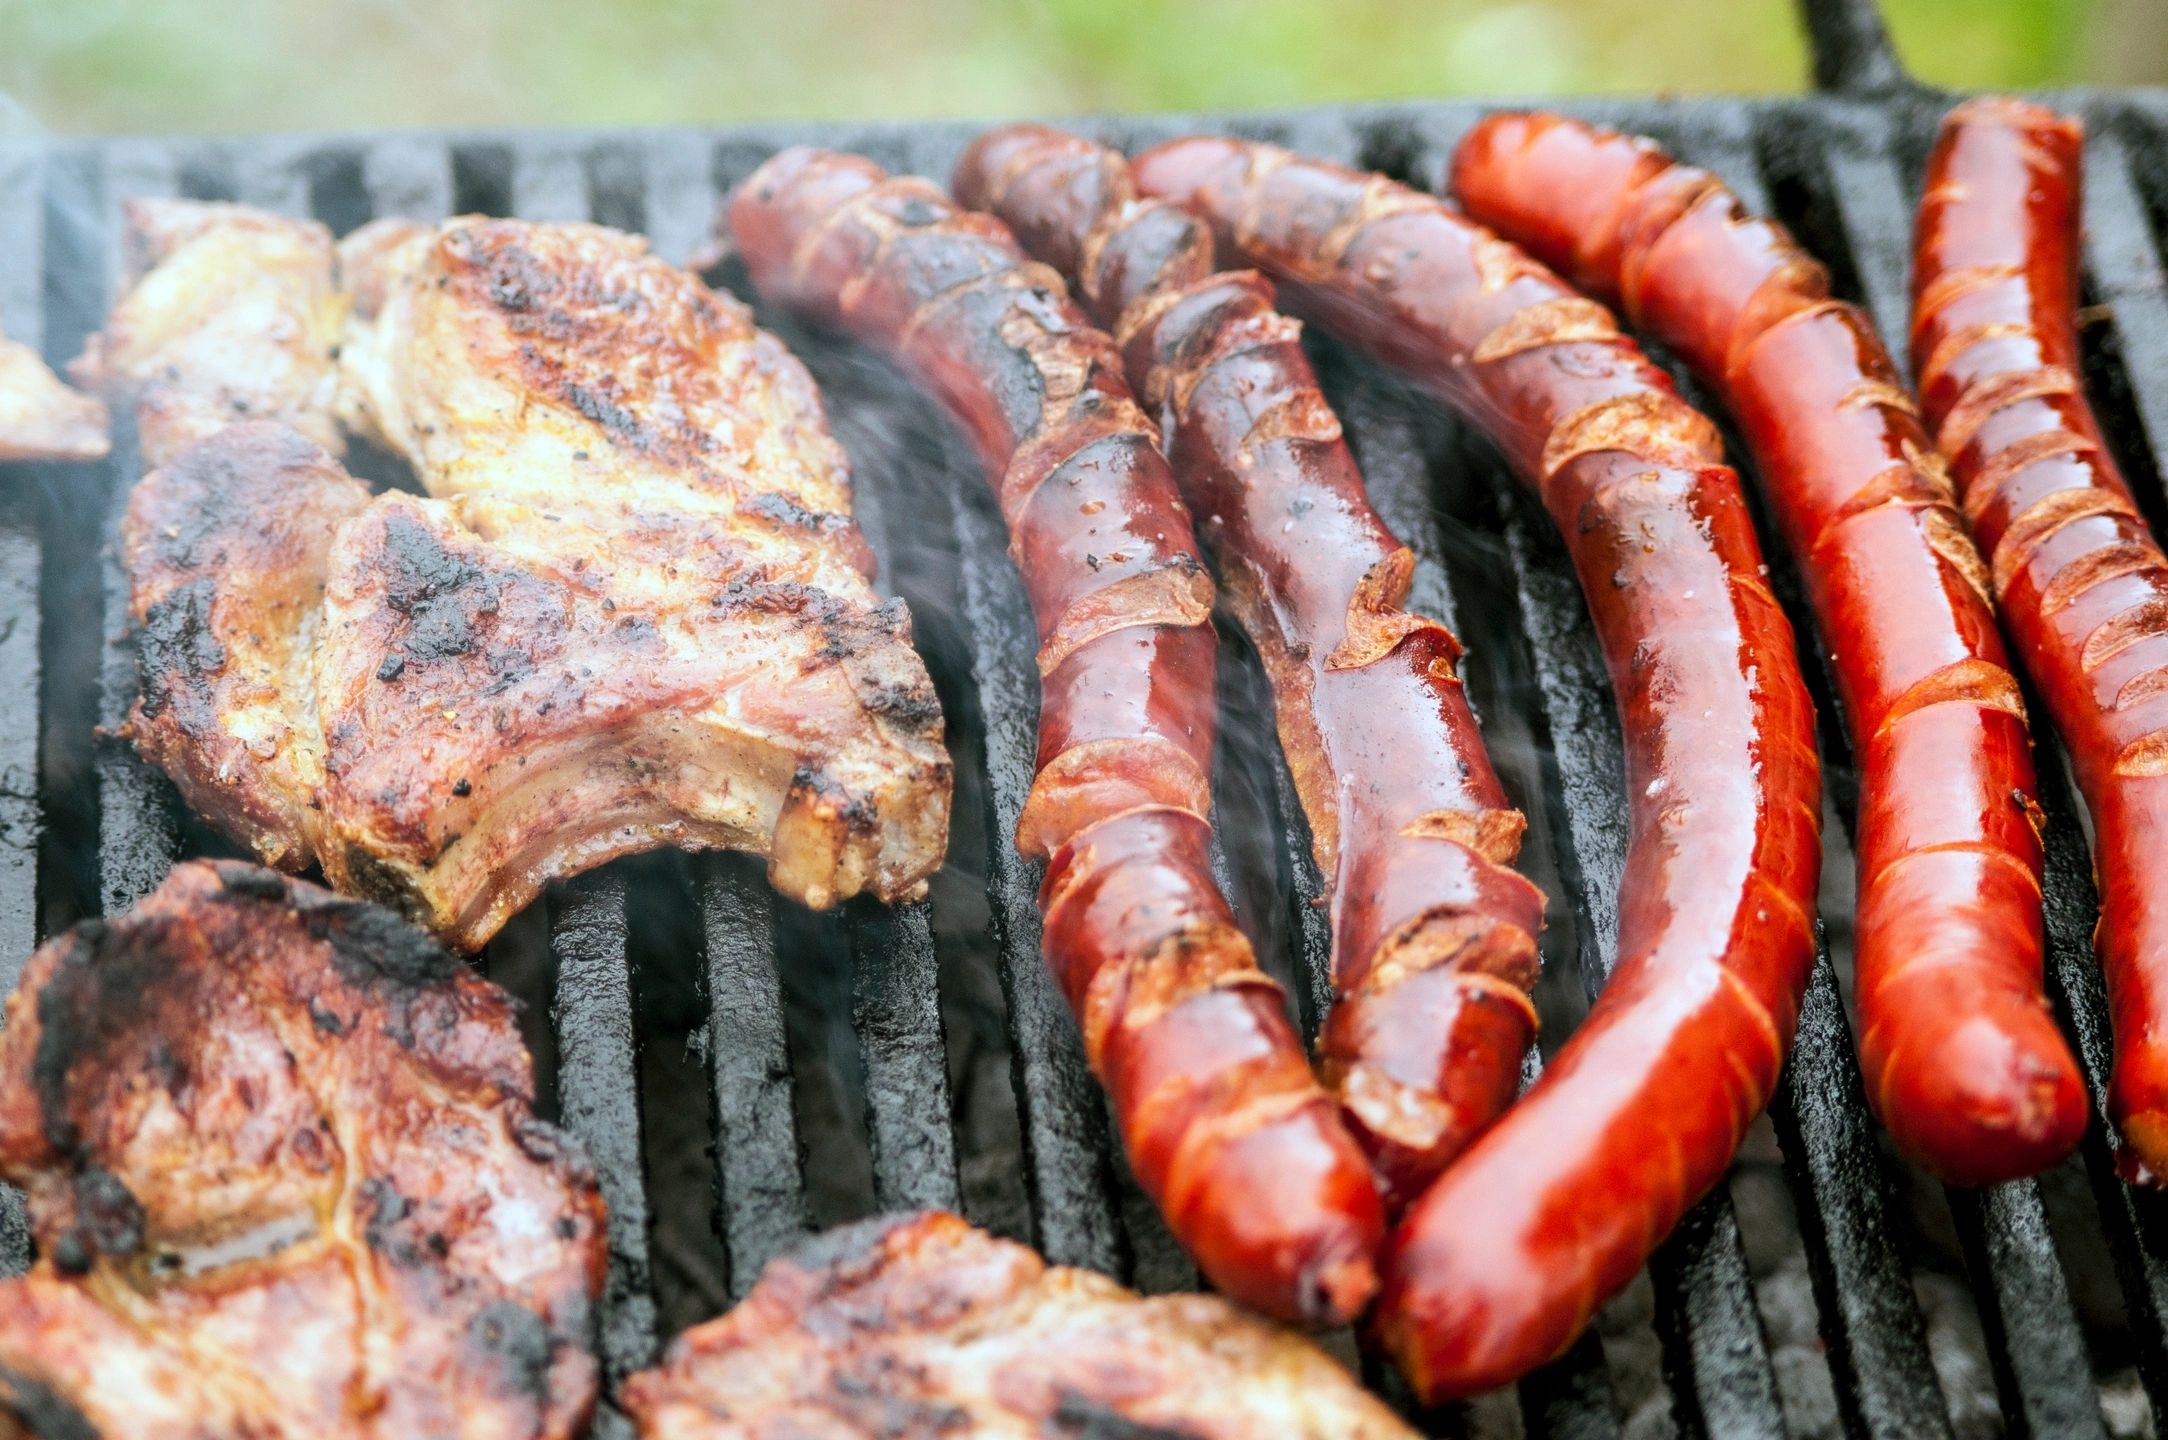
{"x":841,"y":1060}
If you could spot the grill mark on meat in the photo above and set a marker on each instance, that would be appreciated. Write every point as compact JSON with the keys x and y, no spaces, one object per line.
{"x":423,"y":696}
{"x":441,"y":594}
{"x":516,"y":1342}
{"x":48,"y":1414}
{"x":369,"y":948}
{"x":110,"y":1221}
{"x":179,"y":654}
{"x":1078,"y":1417}
{"x":75,"y":1019}
{"x":311,"y":1173}
{"x":917,"y":1325}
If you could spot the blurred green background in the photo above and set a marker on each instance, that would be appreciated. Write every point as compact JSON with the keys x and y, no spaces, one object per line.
{"x":240,"y":65}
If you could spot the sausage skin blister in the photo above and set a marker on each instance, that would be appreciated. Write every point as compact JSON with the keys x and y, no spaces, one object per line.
{"x":1962,"y":1059}
{"x":1225,"y":1126}
{"x":1500,"y":1265}
{"x":2082,"y":583}
{"x":1434,"y":934}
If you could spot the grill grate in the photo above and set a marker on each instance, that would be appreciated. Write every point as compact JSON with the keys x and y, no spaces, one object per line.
{"x":922,"y":1056}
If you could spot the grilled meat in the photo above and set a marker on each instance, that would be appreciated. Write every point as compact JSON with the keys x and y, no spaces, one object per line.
{"x":605,"y":421}
{"x":286,"y":1181}
{"x":921,"y":1325}
{"x":42,"y":419}
{"x":226,"y":313}
{"x":635,"y":611}
{"x":228,"y":547}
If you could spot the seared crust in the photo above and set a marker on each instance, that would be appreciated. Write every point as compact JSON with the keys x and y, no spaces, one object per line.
{"x":919,"y":1325}
{"x":636,"y":615}
{"x":227,"y":548}
{"x":228,"y":314}
{"x":42,"y":419}
{"x":661,"y":475}
{"x":475,"y":748}
{"x":286,"y":1180}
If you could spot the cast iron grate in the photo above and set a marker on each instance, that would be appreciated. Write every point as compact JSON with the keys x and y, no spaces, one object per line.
{"x":743,"y":1071}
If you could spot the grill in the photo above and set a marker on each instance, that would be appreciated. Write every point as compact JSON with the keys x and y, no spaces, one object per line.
{"x":742,"y":1070}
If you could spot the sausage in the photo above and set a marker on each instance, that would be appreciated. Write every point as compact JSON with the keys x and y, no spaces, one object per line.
{"x":1434,"y":934}
{"x":1500,"y":1264}
{"x":2082,"y":584}
{"x":1226,"y":1128}
{"x":1962,"y":1059}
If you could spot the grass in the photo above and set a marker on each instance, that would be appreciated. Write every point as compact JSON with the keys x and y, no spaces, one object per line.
{"x":242,"y":65}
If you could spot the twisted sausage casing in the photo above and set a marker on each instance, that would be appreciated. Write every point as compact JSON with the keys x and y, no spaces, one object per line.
{"x":1502,"y":1262}
{"x":1225,"y":1127}
{"x":1433,"y":932}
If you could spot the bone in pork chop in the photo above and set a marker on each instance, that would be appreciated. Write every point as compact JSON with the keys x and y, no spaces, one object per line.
{"x":634,"y":611}
{"x":286,"y":1182}
{"x":919,"y":1325}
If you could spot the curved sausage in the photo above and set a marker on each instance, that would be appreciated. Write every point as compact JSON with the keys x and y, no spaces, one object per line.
{"x":2083,"y":585}
{"x":1962,"y":1059}
{"x":1434,"y":934}
{"x":1226,"y":1128}
{"x":1501,"y":1263}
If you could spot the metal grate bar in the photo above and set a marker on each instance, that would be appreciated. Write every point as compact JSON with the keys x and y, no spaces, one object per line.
{"x":138,"y":837}
{"x":2024,"y":1301}
{"x":22,"y":241}
{"x":591,"y":1011}
{"x":2135,"y":1239}
{"x":896,"y":1004}
{"x":896,"y":1010}
{"x":1852,"y":50}
{"x":22,"y":319}
{"x":22,"y":313}
{"x":760,"y":1185}
{"x":2127,"y":280}
{"x":408,"y":176}
{"x":760,"y":1191}
{"x":272,"y":175}
{"x":598,"y":1096}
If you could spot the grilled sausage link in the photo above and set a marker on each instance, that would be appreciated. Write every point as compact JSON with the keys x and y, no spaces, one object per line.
{"x":1433,"y":932}
{"x":2082,"y":584}
{"x":1962,"y":1058}
{"x":1502,"y":1262}
{"x":1226,"y":1128}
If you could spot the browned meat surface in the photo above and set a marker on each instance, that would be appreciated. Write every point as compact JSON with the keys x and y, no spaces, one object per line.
{"x":42,"y":419}
{"x":918,"y":1326}
{"x":635,"y":611}
{"x":286,"y":1181}
{"x":228,"y":547}
{"x":226,"y":314}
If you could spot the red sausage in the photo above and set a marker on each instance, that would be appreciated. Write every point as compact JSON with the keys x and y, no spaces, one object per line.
{"x":1962,"y":1058}
{"x":1501,"y":1263}
{"x":1434,"y":942}
{"x":2083,"y":585}
{"x":1225,"y":1126}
